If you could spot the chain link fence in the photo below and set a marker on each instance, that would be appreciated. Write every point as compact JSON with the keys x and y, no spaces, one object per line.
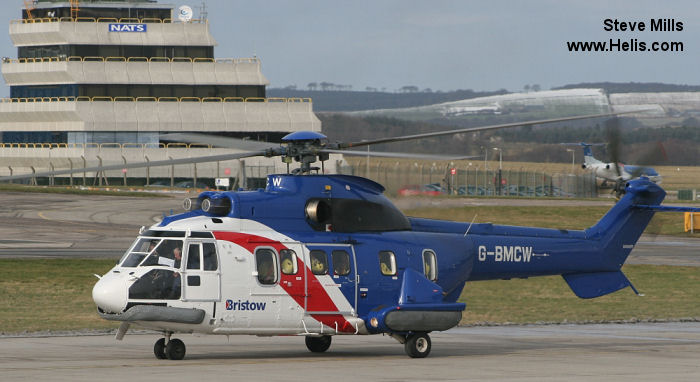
{"x":403,"y":179}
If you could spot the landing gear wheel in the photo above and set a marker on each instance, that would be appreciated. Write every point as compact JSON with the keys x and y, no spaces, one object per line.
{"x":159,"y":349}
{"x":417,"y":345}
{"x":175,"y":350}
{"x":318,"y":344}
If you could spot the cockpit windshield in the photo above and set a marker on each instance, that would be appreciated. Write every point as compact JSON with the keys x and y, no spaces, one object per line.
{"x":154,"y":252}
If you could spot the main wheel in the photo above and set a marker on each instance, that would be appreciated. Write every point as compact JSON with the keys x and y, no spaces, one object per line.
{"x":175,"y":349}
{"x":159,"y":349}
{"x":417,"y":345}
{"x":318,"y":344}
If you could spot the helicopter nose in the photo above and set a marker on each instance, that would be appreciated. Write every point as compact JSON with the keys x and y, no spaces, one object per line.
{"x":110,"y":293}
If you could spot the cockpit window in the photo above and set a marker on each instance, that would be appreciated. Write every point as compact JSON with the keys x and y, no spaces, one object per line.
{"x":193,"y":257}
{"x":152,"y":252}
{"x":157,"y":284}
{"x":209,"y":255}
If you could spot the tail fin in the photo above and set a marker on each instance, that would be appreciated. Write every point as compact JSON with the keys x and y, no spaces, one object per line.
{"x":588,"y":157}
{"x":618,"y":232}
{"x":622,"y":226}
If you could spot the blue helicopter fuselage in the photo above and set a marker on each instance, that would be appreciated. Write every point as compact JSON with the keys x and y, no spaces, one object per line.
{"x":326,"y":212}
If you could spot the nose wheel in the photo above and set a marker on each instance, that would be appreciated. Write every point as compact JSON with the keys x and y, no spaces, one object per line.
{"x":173,"y":349}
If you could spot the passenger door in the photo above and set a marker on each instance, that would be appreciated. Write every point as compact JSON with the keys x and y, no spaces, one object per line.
{"x":201,"y":276}
{"x":331,"y":279}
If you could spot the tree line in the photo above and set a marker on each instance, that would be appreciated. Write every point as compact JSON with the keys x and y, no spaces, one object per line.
{"x":640,"y":145}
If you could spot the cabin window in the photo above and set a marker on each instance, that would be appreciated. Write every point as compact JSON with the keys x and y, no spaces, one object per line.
{"x":266,"y":266}
{"x":288,"y":261}
{"x":430,"y":265}
{"x":387,"y":263}
{"x":319,"y":262}
{"x":341,"y":262}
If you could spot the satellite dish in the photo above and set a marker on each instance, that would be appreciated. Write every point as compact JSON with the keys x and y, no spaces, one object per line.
{"x":184,"y":13}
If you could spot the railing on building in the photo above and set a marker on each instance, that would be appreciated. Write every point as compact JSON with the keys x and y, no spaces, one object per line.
{"x":33,"y":60}
{"x":127,"y":20}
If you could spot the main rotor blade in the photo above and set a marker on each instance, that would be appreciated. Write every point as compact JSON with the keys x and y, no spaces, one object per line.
{"x":481,"y":128}
{"x":167,"y":162}
{"x":614,"y":138}
{"x":219,"y":141}
{"x":398,"y":155}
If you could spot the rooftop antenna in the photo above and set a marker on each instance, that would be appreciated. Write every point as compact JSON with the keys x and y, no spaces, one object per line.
{"x":203,"y":14}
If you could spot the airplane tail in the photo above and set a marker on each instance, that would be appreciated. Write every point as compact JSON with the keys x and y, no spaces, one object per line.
{"x":588,"y":158}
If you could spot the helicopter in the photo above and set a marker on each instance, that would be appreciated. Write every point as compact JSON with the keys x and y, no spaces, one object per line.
{"x":315,"y":255}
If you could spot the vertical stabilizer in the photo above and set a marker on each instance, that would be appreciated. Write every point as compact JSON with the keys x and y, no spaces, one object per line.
{"x":588,"y":158}
{"x":622,"y":226}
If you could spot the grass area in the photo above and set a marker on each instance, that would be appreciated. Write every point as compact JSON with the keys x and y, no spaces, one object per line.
{"x":50,"y":294}
{"x":55,"y":294}
{"x":566,"y":217}
{"x":111,"y":191}
{"x":670,"y":293}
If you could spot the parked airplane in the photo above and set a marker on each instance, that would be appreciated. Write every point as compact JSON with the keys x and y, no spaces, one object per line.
{"x":614,"y":172}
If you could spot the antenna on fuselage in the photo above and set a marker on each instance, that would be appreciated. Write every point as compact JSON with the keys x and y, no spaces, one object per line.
{"x":470,"y":225}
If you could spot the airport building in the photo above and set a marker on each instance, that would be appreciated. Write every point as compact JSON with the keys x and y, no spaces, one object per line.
{"x":100,"y":82}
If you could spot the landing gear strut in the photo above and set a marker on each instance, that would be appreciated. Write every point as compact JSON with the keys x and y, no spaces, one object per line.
{"x":417,"y":345}
{"x":173,"y":349}
{"x":318,"y":344}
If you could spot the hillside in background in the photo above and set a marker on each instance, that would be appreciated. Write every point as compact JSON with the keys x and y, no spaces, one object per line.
{"x":347,"y":100}
{"x":337,"y":100}
{"x":641,"y":145}
{"x":632,"y":87}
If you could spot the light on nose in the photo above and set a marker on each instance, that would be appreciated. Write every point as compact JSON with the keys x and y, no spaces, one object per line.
{"x":110,"y":293}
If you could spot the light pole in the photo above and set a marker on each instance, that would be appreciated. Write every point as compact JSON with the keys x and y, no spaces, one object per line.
{"x":500,"y":169}
{"x":486,"y":173}
{"x":573,"y":159}
{"x":500,"y":157}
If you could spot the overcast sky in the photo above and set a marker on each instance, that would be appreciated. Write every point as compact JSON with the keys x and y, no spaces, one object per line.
{"x":443,"y":44}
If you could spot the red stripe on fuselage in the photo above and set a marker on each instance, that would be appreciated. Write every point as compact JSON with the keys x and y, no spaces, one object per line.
{"x":318,"y":300}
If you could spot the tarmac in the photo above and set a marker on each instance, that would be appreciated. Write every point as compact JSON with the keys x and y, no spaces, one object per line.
{"x":619,"y":352}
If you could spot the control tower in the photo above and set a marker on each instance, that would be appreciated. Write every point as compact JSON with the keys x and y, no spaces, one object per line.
{"x":99,"y":82}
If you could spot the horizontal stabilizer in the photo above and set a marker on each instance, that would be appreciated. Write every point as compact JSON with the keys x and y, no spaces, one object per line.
{"x":591,"y":285}
{"x":667,"y":208}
